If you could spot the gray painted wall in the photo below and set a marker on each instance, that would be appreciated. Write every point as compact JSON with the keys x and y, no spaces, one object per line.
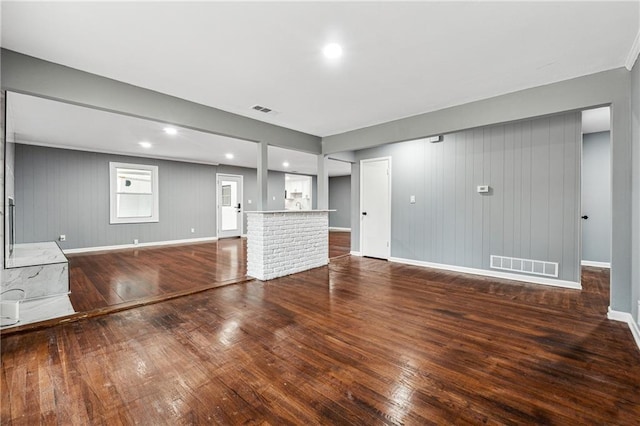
{"x":596,"y":197}
{"x":61,"y":191}
{"x":314,"y":192}
{"x":635,"y":120}
{"x":2,"y":175}
{"x":67,"y":192}
{"x":532,"y":211}
{"x":606,"y":88}
{"x":340,"y":200}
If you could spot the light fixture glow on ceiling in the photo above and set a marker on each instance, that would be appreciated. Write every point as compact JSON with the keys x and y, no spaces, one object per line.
{"x":229,"y":156}
{"x":332,"y":50}
{"x":171,"y":130}
{"x":285,"y":164}
{"x":145,"y":144}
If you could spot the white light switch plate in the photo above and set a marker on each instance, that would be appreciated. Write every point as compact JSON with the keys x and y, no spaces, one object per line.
{"x":412,"y":199}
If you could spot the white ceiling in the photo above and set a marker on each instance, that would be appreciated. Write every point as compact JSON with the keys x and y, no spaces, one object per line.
{"x":38,"y":121}
{"x":400,"y":59}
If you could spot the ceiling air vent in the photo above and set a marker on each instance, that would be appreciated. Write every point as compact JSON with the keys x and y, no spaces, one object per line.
{"x":263,"y":109}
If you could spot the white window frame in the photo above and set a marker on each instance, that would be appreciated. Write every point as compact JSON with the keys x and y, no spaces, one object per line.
{"x":113,"y":188}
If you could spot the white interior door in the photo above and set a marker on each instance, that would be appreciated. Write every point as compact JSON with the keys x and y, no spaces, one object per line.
{"x":229,"y":205}
{"x":375,"y":207}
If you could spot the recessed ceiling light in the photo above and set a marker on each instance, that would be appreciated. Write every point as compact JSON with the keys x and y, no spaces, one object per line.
{"x":229,"y":156}
{"x":332,"y":50}
{"x":285,"y":164}
{"x":171,"y":130}
{"x":145,"y":144}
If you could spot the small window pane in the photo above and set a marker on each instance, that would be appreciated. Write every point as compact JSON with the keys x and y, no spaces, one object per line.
{"x":134,"y":181}
{"x":133,"y":193}
{"x":226,"y":195}
{"x":134,"y":205}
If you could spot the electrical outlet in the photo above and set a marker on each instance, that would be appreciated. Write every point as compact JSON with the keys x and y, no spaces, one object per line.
{"x":193,"y":230}
{"x":248,"y":201}
{"x":274,"y":198}
{"x":135,"y":242}
{"x":62,"y":237}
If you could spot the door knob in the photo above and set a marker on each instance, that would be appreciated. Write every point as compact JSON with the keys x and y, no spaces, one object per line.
{"x":364,"y":213}
{"x":585,"y":217}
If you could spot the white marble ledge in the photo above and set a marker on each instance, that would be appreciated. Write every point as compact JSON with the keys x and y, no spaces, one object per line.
{"x":290,"y":211}
{"x":33,"y":254}
{"x":31,"y":311}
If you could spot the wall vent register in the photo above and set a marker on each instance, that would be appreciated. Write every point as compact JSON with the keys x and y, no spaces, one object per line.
{"x":528,"y":266}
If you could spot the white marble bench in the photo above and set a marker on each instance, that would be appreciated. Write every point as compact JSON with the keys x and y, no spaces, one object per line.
{"x":39,"y":269}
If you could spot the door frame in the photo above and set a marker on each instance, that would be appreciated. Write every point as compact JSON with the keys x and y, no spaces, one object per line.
{"x":609,"y":201}
{"x":389,"y":175}
{"x":219,"y":177}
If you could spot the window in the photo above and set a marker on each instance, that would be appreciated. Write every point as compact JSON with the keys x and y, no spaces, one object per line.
{"x":226,"y":195}
{"x":134,"y":193}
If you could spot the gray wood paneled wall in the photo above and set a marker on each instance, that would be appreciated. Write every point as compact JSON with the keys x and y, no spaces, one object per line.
{"x":340,"y":201}
{"x":596,"y":197}
{"x":635,"y":227}
{"x":532,"y":210}
{"x":3,"y":213}
{"x":60,"y":191}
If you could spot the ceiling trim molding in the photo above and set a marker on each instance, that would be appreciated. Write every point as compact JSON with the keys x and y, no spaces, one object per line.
{"x":633,"y":53}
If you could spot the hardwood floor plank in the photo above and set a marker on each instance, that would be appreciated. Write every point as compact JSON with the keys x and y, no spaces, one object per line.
{"x":339,"y":243}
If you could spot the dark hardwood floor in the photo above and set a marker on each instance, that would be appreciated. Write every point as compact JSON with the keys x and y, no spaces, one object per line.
{"x":361,"y":341}
{"x":109,"y":278}
{"x":112,"y":278}
{"x":339,"y":243}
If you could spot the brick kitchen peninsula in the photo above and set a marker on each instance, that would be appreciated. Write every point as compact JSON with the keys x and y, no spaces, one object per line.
{"x":284,"y":242}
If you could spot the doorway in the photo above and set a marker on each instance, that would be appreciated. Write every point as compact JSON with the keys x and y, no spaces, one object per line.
{"x":375,"y":207}
{"x":229,"y":201}
{"x":596,"y":188}
{"x":298,"y":192}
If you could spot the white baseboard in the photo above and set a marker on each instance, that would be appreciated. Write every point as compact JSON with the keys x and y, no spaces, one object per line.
{"x":488,"y":273}
{"x":628,"y":318}
{"x":337,"y":229}
{"x":596,"y":264}
{"x":355,"y":253}
{"x":151,"y":244}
